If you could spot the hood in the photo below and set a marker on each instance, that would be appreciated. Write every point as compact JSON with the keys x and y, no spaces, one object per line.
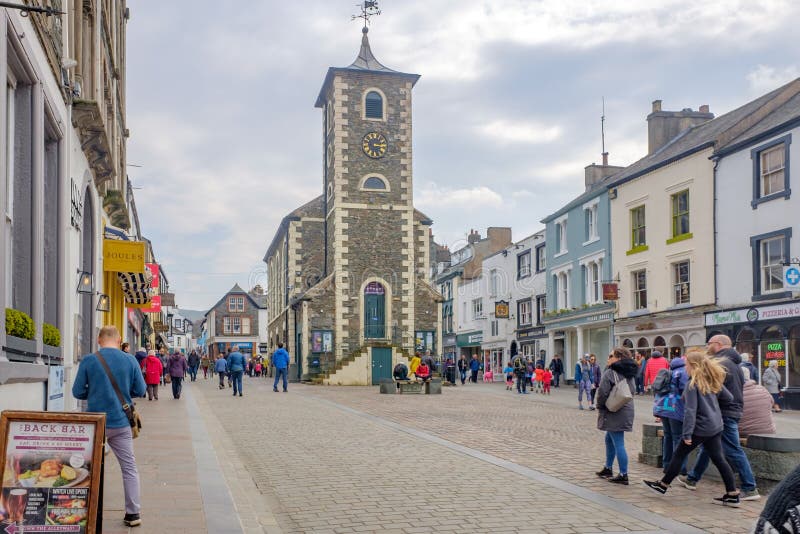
{"x":677,"y":363}
{"x":626,"y":368}
{"x":731,"y":354}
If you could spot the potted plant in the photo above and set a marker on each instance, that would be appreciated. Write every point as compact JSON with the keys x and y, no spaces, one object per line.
{"x":20,"y":332}
{"x":51,"y":337}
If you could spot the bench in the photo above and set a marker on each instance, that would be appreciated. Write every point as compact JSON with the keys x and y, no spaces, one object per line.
{"x":771,"y":456}
{"x":411,"y":387}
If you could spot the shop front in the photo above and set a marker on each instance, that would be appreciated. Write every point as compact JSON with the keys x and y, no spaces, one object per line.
{"x":586,"y":331}
{"x":669,"y":332}
{"x":469,"y":344}
{"x":532,"y":342}
{"x":449,"y":347}
{"x":495,"y":355}
{"x":768,"y":333}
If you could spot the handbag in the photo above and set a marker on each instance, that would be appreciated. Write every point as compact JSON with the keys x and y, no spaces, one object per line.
{"x":620,"y":394}
{"x":134,"y":418}
{"x":167,"y":378}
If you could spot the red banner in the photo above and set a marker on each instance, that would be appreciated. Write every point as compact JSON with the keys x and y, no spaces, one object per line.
{"x":155,"y":305}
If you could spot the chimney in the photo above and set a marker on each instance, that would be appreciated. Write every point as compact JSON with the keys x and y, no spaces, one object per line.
{"x":664,"y":126}
{"x":474,"y":237}
{"x":594,"y":174}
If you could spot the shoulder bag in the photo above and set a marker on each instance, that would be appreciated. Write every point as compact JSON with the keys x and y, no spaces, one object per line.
{"x":620,"y":394}
{"x":130,"y":411}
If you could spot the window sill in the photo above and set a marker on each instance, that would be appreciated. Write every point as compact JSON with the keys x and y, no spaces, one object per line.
{"x":562,"y":253}
{"x":639,"y":313}
{"x":785,"y":194}
{"x":521,"y":276}
{"x":594,"y":239}
{"x":636,"y":250}
{"x":772,"y":296}
{"x":681,"y":306}
{"x":679,"y":238}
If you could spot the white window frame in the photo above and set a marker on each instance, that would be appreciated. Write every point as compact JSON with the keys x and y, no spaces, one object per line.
{"x":246,"y":326}
{"x":563,"y":293}
{"x":541,"y":259}
{"x":493,"y":282}
{"x":590,"y":212}
{"x":8,"y":209}
{"x":764,"y":267}
{"x":541,"y":306}
{"x":561,"y":237}
{"x":524,"y":270}
{"x":226,"y":325}
{"x":677,"y":299}
{"x":235,"y":304}
{"x":638,"y":291}
{"x":477,"y":308}
{"x":236,"y":324}
{"x":524,"y":309}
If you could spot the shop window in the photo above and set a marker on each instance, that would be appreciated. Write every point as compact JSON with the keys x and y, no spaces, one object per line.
{"x":771,"y":171}
{"x":794,"y":357}
{"x":772,"y":347}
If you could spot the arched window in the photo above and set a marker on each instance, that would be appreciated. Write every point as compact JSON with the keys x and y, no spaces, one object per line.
{"x":373,"y":105}
{"x":374,"y":311}
{"x":627,"y":343}
{"x":373,"y":182}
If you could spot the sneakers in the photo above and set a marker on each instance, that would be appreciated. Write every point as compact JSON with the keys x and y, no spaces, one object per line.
{"x":132,"y":520}
{"x":688,"y":483}
{"x":727,"y":500}
{"x":619,"y":479}
{"x":591,"y":407}
{"x":580,"y":406}
{"x":275,"y":390}
{"x":656,"y":486}
{"x":605,"y":473}
{"x":751,"y":495}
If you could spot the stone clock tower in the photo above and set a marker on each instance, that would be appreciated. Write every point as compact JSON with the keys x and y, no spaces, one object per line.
{"x":348,"y":272}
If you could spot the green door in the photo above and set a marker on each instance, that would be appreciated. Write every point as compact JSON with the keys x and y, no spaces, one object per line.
{"x":374,"y":311}
{"x":381,"y":364}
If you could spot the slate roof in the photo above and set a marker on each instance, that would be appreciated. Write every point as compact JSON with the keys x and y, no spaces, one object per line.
{"x":314,"y":208}
{"x":238,"y":289}
{"x":778,"y":119}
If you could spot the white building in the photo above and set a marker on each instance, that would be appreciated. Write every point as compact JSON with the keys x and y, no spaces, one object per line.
{"x":470,"y":303}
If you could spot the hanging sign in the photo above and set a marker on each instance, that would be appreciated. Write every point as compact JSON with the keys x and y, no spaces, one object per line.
{"x":50,"y":465}
{"x":123,"y":256}
{"x":610,"y":291}
{"x":501,"y":309}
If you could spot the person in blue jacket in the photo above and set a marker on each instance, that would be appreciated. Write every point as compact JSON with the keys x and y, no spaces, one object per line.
{"x":280,"y":359}
{"x":93,"y":385}
{"x":221,"y":368}
{"x":236,"y":366}
{"x":669,"y":407}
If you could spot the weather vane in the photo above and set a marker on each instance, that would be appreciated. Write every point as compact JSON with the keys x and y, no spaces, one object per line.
{"x":369,"y":8}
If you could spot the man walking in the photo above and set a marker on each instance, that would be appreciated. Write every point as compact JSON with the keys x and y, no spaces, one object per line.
{"x":221,"y":367}
{"x":557,"y":368}
{"x":93,"y":385}
{"x":194,"y":365}
{"x":474,"y":367}
{"x":721,"y":347}
{"x":280,"y":359}
{"x":236,"y":366}
{"x":583,"y":378}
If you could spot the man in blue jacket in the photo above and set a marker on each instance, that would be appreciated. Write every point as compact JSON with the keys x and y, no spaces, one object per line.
{"x":92,"y":384}
{"x":280,"y":359}
{"x":236,"y":365}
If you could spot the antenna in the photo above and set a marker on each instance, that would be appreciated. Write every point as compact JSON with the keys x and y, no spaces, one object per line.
{"x":603,"y":133}
{"x":369,"y":8}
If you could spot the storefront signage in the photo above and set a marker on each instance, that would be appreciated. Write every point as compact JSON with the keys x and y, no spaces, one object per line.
{"x":530,"y":333}
{"x":610,"y":291}
{"x":168,"y":299}
{"x":123,"y":256}
{"x":775,"y":351}
{"x":76,"y":202}
{"x":155,"y":305}
{"x":470,"y":340}
{"x":154,"y":271}
{"x":449,"y":341}
{"x":599,"y":317}
{"x":501,"y":309}
{"x":50,"y":467}
{"x":321,"y":341}
{"x":791,"y":278}
{"x":762,"y":313}
{"x":55,"y":389}
{"x":160,"y":327}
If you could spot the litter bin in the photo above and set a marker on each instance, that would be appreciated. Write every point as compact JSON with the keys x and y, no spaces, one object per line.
{"x":450,"y":373}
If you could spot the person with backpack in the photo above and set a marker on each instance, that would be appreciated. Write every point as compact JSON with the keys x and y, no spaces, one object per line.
{"x":620,"y":372}
{"x":654,"y":365}
{"x":557,"y":368}
{"x":702,"y":424}
{"x":584,"y":381}
{"x":519,"y":372}
{"x":668,"y":388}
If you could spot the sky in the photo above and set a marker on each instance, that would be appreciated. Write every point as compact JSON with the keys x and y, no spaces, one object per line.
{"x":225,"y":140}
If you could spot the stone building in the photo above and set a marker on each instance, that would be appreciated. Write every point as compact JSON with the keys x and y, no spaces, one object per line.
{"x":348,"y":272}
{"x":236,"y":319}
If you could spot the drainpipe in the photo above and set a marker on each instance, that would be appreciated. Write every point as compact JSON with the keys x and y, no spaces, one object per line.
{"x":714,"y":219}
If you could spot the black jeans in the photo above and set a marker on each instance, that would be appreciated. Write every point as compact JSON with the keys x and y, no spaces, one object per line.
{"x":221,"y":379}
{"x":713,"y":447}
{"x":474,"y":377}
{"x":522,"y":383}
{"x":152,"y":391}
{"x":556,"y":379}
{"x":177,"y":385}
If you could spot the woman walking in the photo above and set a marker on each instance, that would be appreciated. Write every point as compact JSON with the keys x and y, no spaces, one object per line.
{"x":702,"y":425}
{"x":771,"y":379}
{"x":669,"y":407}
{"x":177,"y":370}
{"x":153,"y":370}
{"x":621,"y":366}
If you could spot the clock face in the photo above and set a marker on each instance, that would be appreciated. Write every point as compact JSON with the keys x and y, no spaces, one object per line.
{"x":374,"y":145}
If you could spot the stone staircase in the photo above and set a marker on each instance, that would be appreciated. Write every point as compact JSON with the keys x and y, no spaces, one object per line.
{"x":328,"y":376}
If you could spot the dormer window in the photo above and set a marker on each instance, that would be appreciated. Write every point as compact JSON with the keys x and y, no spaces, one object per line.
{"x":373,"y":105}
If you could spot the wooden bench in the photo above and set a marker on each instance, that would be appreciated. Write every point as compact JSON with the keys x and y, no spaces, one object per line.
{"x":411,"y":387}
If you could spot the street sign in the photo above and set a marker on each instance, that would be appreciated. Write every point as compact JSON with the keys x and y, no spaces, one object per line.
{"x":791,"y":277}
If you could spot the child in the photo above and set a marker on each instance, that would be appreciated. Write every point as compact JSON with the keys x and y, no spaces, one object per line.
{"x":509,"y":371}
{"x":539,"y":377}
{"x":547,"y":377}
{"x":488,"y":375}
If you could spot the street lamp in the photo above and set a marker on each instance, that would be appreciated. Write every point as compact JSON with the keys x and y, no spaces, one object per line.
{"x":85,"y":282}
{"x":103,"y":303}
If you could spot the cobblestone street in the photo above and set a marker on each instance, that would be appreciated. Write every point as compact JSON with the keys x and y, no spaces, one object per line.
{"x":477,"y":458}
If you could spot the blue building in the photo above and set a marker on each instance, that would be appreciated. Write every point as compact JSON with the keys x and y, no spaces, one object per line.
{"x":578,"y":249}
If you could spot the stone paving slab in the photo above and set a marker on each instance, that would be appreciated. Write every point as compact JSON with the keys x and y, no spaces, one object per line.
{"x":329,"y":468}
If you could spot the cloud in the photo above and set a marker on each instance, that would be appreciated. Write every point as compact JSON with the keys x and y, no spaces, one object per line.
{"x":766,"y":78}
{"x":520,"y":132}
{"x":480,"y":197}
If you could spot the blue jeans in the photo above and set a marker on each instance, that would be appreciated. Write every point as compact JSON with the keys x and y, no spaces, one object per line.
{"x":236,"y":378}
{"x":733,"y":454}
{"x":280,"y":373}
{"x":615,"y":446}
{"x":673,"y":429}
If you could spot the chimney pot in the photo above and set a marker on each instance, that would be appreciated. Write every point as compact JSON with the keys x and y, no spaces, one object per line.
{"x":605,"y":159}
{"x":704,"y":108}
{"x":656,"y":105}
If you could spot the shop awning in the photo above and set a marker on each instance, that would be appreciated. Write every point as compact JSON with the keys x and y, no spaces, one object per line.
{"x":137,"y":287}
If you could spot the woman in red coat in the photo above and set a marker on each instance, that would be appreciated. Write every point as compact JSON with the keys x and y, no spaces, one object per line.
{"x":152,"y":374}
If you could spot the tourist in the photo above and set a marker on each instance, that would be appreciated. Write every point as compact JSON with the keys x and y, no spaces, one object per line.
{"x":221,"y":367}
{"x":720,"y":346}
{"x":771,"y":379}
{"x":400,"y":372}
{"x":93,"y":384}
{"x":509,"y":372}
{"x":621,"y":366}
{"x":751,"y":369}
{"x":538,"y":378}
{"x":584,"y":381}
{"x":547,"y":378}
{"x":668,"y":406}
{"x":557,"y":368}
{"x":702,"y":424}
{"x":140,"y":357}
{"x":125,"y":347}
{"x":177,"y":370}
{"x":423,"y":372}
{"x":596,"y":373}
{"x":780,"y":514}
{"x":415,"y":361}
{"x":194,"y":365}
{"x":204,"y":363}
{"x":236,"y":367}
{"x":280,"y":359}
{"x":756,"y":410}
{"x":462,"y":369}
{"x":639,"y":373}
{"x":474,"y":367}
{"x":519,"y":372}
{"x":654,"y":365}
{"x":152,"y":374}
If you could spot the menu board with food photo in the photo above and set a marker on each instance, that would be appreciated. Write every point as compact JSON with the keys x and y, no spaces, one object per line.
{"x":50,"y":469}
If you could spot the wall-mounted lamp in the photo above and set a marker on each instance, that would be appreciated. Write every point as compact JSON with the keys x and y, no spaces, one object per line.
{"x":103,"y":303}
{"x":85,"y":282}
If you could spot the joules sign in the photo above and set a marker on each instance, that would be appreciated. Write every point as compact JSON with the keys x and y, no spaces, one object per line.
{"x":123,"y":256}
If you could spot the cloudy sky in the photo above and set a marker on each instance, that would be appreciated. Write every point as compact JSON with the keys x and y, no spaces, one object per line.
{"x":226,"y":139}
